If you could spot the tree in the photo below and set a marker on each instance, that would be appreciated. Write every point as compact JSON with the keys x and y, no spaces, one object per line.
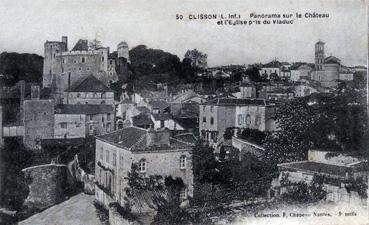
{"x":336,"y":122}
{"x":254,"y":74}
{"x":16,"y":67}
{"x":198,"y":59}
{"x":303,"y":192}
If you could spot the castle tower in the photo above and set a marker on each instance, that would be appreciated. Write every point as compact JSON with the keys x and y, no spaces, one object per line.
{"x":123,"y":59}
{"x":51,"y":49}
{"x":319,"y":55}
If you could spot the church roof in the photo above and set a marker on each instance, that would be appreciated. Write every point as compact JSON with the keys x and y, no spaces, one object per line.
{"x":89,"y":84}
{"x":332,"y":60}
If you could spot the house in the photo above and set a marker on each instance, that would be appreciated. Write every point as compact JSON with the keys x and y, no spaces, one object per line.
{"x":154,"y":152}
{"x":165,"y":120}
{"x":299,"y":70}
{"x":247,"y":90}
{"x":341,"y":173}
{"x":88,"y":91}
{"x":273,"y":67}
{"x":218,"y":114}
{"x":81,"y":121}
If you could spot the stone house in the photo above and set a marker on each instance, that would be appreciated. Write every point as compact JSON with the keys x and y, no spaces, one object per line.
{"x":89,"y":91}
{"x":218,"y":114}
{"x":81,"y":121}
{"x":155,"y":152}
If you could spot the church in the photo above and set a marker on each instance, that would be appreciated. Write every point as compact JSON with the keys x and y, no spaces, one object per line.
{"x":328,"y":70}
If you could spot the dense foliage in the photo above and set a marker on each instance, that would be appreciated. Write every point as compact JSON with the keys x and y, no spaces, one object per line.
{"x":303,"y":192}
{"x":16,"y":67}
{"x":336,"y":122}
{"x":236,"y":177}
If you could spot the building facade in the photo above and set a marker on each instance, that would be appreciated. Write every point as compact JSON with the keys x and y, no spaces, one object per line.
{"x":218,"y":114}
{"x":153,"y":151}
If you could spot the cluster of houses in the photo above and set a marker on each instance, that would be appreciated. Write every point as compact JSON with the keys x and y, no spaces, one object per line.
{"x":157,"y":129}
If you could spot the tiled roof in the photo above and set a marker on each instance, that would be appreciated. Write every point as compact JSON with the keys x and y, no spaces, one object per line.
{"x":83,"y":109}
{"x":315,"y":167}
{"x":143,"y":109}
{"x":135,"y":139}
{"x":273,"y":64}
{"x":142,"y":119}
{"x":186,"y":137}
{"x":331,"y":60}
{"x":89,"y":84}
{"x":236,"y":101}
{"x":159,"y":104}
{"x":162,"y":116}
{"x":126,"y":137}
{"x":81,"y":45}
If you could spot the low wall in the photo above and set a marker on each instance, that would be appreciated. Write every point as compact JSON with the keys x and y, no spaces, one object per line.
{"x":47,"y":184}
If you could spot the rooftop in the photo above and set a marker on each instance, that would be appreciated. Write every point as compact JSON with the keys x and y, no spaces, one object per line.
{"x":83,"y":109}
{"x":81,"y":45}
{"x":89,"y":84}
{"x":236,"y":101}
{"x":315,"y":167}
{"x":135,"y":139}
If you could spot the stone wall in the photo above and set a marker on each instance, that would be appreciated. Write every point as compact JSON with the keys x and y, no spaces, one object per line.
{"x":38,"y":122}
{"x":47,"y":184}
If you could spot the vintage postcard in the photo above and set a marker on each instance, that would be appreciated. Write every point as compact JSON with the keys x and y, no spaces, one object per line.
{"x":173,"y":112}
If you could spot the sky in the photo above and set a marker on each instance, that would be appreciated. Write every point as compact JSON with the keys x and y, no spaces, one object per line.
{"x":26,"y":24}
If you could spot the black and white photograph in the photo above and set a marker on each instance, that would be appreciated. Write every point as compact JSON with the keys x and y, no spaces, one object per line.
{"x":184,"y":112}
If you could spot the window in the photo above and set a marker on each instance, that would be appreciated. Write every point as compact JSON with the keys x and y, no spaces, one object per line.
{"x":114,"y":159}
{"x":161,"y":123}
{"x":101,"y":153}
{"x":63,"y":61}
{"x":240,"y":119}
{"x":211,"y":120}
{"x":83,"y":59}
{"x":63,"y":125}
{"x":91,"y":116}
{"x":204,"y":119}
{"x":102,"y":58}
{"x":108,"y":117}
{"x":111,"y":62}
{"x":78,"y":95}
{"x":108,"y":127}
{"x":182,"y":162}
{"x":248,"y":120}
{"x":102,"y":102}
{"x":203,"y":108}
{"x":102,"y":119}
{"x":183,"y":194}
{"x":142,"y":165}
{"x":107,"y":153}
{"x":211,"y":108}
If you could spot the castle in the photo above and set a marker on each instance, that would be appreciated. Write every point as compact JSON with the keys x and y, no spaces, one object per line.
{"x":63,"y":68}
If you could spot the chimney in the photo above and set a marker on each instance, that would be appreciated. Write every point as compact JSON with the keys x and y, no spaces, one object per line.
{"x":160,"y":137}
{"x":65,"y":40}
